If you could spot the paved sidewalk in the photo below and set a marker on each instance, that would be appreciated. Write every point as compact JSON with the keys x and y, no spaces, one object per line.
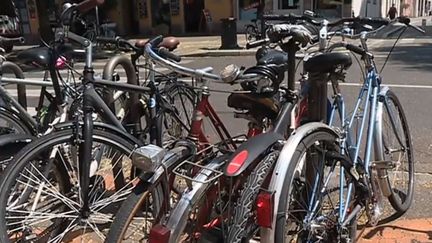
{"x":401,"y":231}
{"x":210,"y":46}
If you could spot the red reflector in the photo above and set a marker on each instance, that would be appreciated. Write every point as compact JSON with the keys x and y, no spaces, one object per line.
{"x":264,"y":207}
{"x":237,"y":162}
{"x":159,"y":234}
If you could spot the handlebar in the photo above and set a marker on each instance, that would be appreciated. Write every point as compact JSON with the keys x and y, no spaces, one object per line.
{"x":122,"y":42}
{"x":108,"y":40}
{"x":11,"y":41}
{"x":116,"y":41}
{"x":168,"y":55}
{"x":257,"y":43}
{"x":150,"y":48}
{"x":291,"y":18}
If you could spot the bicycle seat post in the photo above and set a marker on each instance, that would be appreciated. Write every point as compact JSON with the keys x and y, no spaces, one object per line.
{"x":291,"y":49}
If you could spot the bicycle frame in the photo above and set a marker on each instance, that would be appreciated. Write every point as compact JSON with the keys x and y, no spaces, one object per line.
{"x":369,"y":94}
{"x":204,"y":108}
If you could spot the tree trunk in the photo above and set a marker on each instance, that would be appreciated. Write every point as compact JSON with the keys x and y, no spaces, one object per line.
{"x":45,"y":30}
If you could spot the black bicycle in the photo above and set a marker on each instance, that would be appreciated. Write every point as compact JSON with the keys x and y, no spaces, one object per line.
{"x":72,"y":180}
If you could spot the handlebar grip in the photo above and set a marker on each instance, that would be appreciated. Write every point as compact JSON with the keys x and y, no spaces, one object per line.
{"x":282,"y":17}
{"x":11,"y":41}
{"x":86,"y":5}
{"x":156,"y":41}
{"x":257,"y":43}
{"x":165,"y":53}
{"x":379,"y":21}
{"x":356,"y":49}
{"x":108,"y":40}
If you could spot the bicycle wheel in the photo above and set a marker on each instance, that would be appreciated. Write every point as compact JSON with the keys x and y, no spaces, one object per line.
{"x":136,"y":216}
{"x":243,"y":227}
{"x":10,"y":123}
{"x":177,"y":121}
{"x":309,"y":203}
{"x":251,"y":33}
{"x":397,"y":148}
{"x":41,"y":196}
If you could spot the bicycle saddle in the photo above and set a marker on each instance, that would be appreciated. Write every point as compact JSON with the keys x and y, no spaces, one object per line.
{"x":41,"y":56}
{"x":327,"y":62}
{"x":261,"y":106}
{"x":266,"y":56}
{"x":169,"y":43}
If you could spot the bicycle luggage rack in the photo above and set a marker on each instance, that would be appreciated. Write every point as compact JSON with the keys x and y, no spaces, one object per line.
{"x":210,"y":174}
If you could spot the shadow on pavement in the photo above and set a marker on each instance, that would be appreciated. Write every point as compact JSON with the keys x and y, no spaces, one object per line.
{"x":415,"y":56}
{"x":380,"y":229}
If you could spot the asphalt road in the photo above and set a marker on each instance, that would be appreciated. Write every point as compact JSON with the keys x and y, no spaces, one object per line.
{"x":408,"y":73}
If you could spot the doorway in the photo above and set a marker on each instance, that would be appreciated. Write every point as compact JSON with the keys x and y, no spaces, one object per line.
{"x":161,"y":17}
{"x":192,"y":13}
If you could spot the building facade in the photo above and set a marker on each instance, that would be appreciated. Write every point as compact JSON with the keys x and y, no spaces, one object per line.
{"x":142,"y":18}
{"x":380,"y":8}
{"x":204,"y":16}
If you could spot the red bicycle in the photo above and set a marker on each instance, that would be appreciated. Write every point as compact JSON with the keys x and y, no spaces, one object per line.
{"x":158,"y":188}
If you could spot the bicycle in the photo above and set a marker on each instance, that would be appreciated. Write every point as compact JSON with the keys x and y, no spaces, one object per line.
{"x":320,"y":192}
{"x":204,"y":208}
{"x":252,"y":31}
{"x":250,"y":213}
{"x":152,"y":196}
{"x":81,"y":170}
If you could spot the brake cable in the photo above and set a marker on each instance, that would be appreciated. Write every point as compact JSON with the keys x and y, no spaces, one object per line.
{"x":391,"y":50}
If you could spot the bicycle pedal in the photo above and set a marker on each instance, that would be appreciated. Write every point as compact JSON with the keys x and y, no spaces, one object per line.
{"x":383,"y":164}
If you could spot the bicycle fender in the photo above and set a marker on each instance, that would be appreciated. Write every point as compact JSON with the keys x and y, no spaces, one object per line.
{"x":17,"y":115}
{"x":15,"y":139}
{"x":11,"y":144}
{"x":378,"y":142}
{"x":105,"y":127}
{"x":283,"y":164}
{"x":248,"y":152}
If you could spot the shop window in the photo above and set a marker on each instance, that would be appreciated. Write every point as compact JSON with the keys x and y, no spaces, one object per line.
{"x":288,"y":4}
{"x":330,"y":8}
{"x":329,"y":4}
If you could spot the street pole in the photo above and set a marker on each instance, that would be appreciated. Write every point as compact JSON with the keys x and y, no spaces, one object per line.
{"x":260,"y":10}
{"x":97,"y":21}
{"x":45,"y":30}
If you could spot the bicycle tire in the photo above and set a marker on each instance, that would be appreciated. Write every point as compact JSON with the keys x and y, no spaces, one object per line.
{"x":401,"y":205}
{"x":251,"y":33}
{"x":15,"y":123}
{"x":281,"y":220}
{"x":129,"y":208}
{"x":243,"y":226}
{"x":103,"y":186}
{"x":177,"y":126}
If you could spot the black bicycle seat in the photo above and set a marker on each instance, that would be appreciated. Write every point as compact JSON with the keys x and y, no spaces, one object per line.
{"x":37,"y":55}
{"x":42,"y":56}
{"x":265,"y":56}
{"x":258,"y":105}
{"x":327,"y":62}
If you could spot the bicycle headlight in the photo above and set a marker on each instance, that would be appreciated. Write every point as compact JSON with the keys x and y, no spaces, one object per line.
{"x":148,"y":158}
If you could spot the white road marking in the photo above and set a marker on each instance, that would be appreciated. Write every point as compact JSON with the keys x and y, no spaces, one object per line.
{"x":412,"y":86}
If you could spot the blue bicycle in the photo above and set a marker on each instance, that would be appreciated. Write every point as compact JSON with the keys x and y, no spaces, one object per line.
{"x":327,"y":175}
